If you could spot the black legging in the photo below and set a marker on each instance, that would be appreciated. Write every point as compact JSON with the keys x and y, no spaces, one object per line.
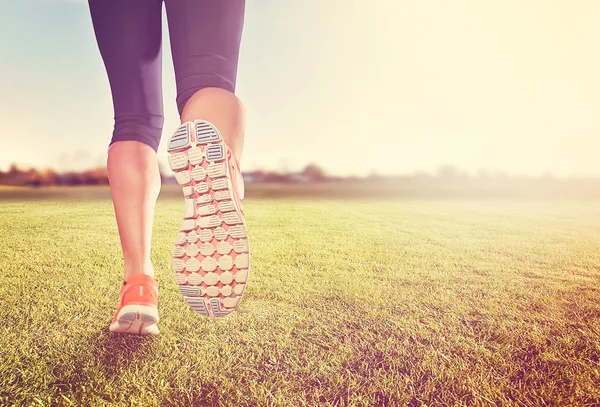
{"x":205,"y":40}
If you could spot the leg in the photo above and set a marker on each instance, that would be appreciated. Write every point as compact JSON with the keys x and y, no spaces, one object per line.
{"x":205,"y":42}
{"x":135,"y":184}
{"x":129,"y":38}
{"x":211,"y":254}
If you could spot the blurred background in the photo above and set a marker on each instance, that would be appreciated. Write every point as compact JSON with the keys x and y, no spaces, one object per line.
{"x":403,"y":98}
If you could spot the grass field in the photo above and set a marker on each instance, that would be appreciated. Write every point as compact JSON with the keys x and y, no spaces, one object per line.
{"x":350,"y":303}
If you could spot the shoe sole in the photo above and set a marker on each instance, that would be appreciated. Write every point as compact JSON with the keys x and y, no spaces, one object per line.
{"x":211,"y":257}
{"x":137,"y":320}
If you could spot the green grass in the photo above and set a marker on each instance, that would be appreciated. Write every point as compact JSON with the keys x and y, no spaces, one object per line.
{"x":350,"y":303}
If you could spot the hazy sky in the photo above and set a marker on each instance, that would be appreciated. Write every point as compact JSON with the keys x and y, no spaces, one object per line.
{"x":393,"y":86}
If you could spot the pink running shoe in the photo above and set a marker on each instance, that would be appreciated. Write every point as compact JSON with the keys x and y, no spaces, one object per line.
{"x":137,"y":312}
{"x":211,"y":258}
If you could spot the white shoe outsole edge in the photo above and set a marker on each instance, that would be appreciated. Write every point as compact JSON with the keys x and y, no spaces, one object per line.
{"x":136,"y":319}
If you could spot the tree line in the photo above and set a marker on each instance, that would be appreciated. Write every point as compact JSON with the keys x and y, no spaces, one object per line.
{"x":17,"y":176}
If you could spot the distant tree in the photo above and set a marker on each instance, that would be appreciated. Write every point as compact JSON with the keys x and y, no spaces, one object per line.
{"x":13,"y":170}
{"x":450,"y":172}
{"x":314,"y":172}
{"x":33,"y":178}
{"x":48,"y":177}
{"x":273,"y":177}
{"x":374,"y":175}
{"x":96,"y":176}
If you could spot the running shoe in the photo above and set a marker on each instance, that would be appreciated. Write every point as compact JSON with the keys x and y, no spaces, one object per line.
{"x":211,"y":257}
{"x":137,"y":312}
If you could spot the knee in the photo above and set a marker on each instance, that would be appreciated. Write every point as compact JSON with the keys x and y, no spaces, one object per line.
{"x":144,"y":128}
{"x":211,"y":102}
{"x":206,"y":84}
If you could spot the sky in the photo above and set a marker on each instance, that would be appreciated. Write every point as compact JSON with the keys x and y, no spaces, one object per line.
{"x":363,"y":86}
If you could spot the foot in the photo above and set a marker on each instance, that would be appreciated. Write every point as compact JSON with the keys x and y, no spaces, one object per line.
{"x":211,"y":254}
{"x":137,"y":312}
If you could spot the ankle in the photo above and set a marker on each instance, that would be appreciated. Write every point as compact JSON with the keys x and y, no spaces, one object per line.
{"x":131,"y":270}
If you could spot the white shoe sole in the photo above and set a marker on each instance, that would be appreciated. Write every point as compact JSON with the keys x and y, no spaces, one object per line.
{"x":136,"y":319}
{"x":211,"y":258}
